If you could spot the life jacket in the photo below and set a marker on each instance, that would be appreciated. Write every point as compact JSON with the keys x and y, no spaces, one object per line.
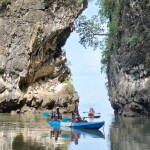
{"x":76,"y":118}
{"x":58,"y":116}
{"x":91,"y":113}
{"x":73,"y":115}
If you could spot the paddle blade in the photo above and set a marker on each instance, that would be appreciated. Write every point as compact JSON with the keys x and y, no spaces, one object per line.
{"x":92,"y":117}
{"x":66,"y":119}
{"x":97,"y":116}
{"x":87,"y":112}
{"x":65,"y":136}
{"x":46,"y":114}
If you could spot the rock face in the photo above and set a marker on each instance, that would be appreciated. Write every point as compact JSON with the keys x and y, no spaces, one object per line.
{"x":129,"y":66}
{"x":32,"y":62}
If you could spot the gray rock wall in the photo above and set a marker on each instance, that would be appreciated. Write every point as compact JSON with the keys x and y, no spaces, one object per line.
{"x":129,"y":66}
{"x":31,"y":59}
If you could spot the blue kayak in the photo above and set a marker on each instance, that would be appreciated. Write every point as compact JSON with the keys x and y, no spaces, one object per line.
{"x":81,"y":124}
{"x":95,"y":116}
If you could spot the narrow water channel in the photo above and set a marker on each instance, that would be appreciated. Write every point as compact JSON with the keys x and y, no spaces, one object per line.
{"x":32,"y":132}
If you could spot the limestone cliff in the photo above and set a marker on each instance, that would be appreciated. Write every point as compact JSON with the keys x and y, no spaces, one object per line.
{"x":129,"y":63}
{"x":32,"y":62}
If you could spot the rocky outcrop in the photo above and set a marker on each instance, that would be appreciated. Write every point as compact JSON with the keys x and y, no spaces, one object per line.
{"x":32,"y":62}
{"x":129,"y":64}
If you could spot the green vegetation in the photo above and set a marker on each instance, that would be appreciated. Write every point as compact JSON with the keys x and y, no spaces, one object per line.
{"x":91,"y":30}
{"x":72,"y":2}
{"x":133,"y":39}
{"x":79,"y":1}
{"x":67,"y":79}
{"x":69,"y":88}
{"x":148,"y":60}
{"x":146,"y":29}
{"x":148,"y":4}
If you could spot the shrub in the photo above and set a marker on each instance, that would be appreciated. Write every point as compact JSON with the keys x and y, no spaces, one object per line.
{"x":133,"y":39}
{"x":69,"y":88}
{"x":67,"y":79}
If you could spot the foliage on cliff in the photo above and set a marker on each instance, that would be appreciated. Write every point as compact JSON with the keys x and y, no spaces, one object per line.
{"x":110,"y":12}
{"x":91,"y":30}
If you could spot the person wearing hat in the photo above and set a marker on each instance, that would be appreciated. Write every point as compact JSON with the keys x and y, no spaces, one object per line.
{"x":76,"y":117}
{"x":58,"y":115}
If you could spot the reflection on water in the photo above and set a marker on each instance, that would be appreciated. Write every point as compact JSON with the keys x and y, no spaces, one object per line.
{"x":22,"y":132}
{"x":130,"y":134}
{"x":19,"y":143}
{"x":74,"y":134}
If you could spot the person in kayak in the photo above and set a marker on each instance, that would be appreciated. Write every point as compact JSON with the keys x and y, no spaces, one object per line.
{"x":91,"y":112}
{"x":52,"y":113}
{"x":76,"y":117}
{"x":73,"y":114}
{"x":58,"y":115}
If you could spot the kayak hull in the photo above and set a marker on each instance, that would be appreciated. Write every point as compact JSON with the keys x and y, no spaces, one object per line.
{"x":84,"y":125}
{"x":88,"y":125}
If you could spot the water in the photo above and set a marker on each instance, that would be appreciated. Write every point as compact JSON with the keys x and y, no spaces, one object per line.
{"x":32,"y":132}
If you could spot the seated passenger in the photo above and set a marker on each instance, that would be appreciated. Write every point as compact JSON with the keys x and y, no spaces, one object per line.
{"x":76,"y":117}
{"x":73,"y":114}
{"x":58,"y":115}
{"x":91,"y":112}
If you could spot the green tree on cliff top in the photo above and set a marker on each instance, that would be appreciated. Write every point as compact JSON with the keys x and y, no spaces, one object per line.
{"x":100,"y":29}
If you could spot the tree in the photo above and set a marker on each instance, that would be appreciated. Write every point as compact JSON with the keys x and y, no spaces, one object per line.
{"x":105,"y":24}
{"x":90,"y":31}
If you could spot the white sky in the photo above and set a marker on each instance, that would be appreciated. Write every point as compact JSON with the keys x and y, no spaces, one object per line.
{"x":86,"y":73}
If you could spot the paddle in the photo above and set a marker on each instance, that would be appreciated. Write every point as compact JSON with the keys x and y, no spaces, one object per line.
{"x":46,"y":114}
{"x":88,"y":112}
{"x":69,"y":119}
{"x":92,"y":117}
{"x":66,"y":119}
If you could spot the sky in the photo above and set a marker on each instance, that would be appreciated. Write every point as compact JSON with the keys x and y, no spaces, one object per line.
{"x":85,"y":66}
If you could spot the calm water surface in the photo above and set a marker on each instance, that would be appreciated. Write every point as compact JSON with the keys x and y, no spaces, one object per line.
{"x":32,"y":132}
